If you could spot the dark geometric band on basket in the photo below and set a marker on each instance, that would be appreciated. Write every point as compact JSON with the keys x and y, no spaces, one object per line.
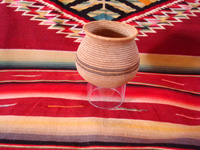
{"x":106,"y":72}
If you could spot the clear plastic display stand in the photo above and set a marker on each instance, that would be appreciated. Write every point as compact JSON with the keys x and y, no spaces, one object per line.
{"x":105,"y":98}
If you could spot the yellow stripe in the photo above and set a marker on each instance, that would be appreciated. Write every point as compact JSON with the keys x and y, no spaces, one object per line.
{"x":37,"y":55}
{"x":96,"y":126}
{"x":155,"y":60}
{"x":170,"y":60}
{"x":85,"y":6}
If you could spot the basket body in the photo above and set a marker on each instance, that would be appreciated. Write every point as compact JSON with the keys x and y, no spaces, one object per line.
{"x":108,"y":55}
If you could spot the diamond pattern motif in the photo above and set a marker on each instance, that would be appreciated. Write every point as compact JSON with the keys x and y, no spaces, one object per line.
{"x":72,"y":27}
{"x":106,"y":9}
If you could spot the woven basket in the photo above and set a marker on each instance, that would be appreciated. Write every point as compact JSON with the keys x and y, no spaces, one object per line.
{"x":108,"y":55}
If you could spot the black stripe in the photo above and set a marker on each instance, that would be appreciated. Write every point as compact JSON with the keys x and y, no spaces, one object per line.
{"x":84,"y":13}
{"x":111,"y":8}
{"x":81,"y":14}
{"x":76,"y":2}
{"x":107,"y":70}
{"x":103,"y":74}
{"x":106,"y":74}
{"x":95,"y":7}
{"x":129,"y":4}
{"x":96,"y":143}
{"x":150,"y":5}
{"x":140,"y":9}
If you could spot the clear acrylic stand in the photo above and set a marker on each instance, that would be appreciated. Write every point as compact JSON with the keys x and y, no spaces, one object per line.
{"x":105,"y":98}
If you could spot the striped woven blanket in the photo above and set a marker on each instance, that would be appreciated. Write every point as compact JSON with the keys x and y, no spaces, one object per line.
{"x":43,"y":99}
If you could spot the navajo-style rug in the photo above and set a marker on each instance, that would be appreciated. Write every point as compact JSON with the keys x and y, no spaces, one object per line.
{"x":43,"y":102}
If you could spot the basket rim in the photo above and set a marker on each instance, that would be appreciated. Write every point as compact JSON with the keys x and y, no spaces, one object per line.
{"x":85,"y":28}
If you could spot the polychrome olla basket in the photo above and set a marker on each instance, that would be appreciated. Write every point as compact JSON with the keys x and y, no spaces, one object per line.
{"x":108,"y":55}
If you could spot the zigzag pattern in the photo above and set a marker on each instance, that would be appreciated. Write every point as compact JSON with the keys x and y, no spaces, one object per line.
{"x":166,"y":17}
{"x":73,"y":28}
{"x":102,"y":9}
{"x":47,"y":16}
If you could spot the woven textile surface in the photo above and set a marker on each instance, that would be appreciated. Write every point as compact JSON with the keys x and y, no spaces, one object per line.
{"x":43,"y":99}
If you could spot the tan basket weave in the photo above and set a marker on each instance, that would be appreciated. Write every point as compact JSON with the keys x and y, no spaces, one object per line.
{"x":108,"y":55}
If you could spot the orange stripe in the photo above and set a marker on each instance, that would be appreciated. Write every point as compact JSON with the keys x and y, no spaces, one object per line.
{"x":146,"y":2}
{"x":54,"y":106}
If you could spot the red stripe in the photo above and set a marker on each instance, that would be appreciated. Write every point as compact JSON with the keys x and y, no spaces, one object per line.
{"x":153,"y":112}
{"x":55,"y":147}
{"x":188,"y":83}
{"x":81,"y":89}
{"x":152,"y":101}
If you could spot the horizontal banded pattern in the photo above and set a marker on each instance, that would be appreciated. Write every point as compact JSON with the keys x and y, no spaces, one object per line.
{"x":23,"y":58}
{"x":48,"y":106}
{"x":89,"y":126}
{"x":49,"y":109}
{"x":106,"y":72}
{"x":100,"y":138}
